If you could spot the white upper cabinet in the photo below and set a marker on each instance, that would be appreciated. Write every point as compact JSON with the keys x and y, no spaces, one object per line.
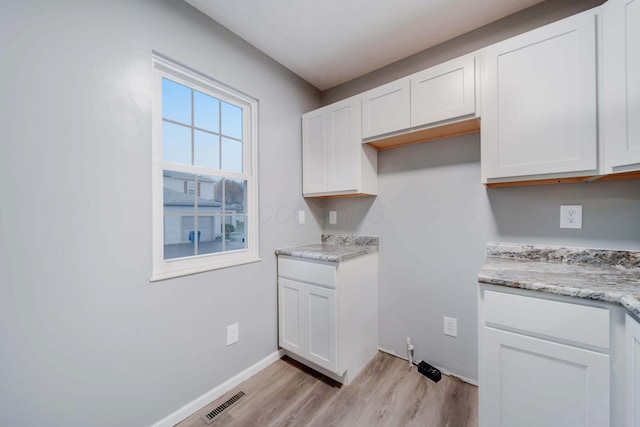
{"x":334,"y":161}
{"x":539,"y":98}
{"x":314,"y":177}
{"x":436,"y":103}
{"x":343,"y":145}
{"x":444,"y":92}
{"x":621,"y":41}
{"x":385,"y":109}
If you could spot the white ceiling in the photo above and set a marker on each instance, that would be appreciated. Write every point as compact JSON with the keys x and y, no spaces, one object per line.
{"x":328,"y":42}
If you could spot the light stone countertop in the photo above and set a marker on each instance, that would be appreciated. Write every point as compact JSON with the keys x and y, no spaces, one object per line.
{"x":594,"y":274}
{"x":334,"y":248}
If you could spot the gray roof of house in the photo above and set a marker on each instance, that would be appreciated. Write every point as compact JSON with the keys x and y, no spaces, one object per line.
{"x":186,"y":176}
{"x":178,"y":198}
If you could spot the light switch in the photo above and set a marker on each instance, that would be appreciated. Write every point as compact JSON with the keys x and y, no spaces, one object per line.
{"x":333,"y":217}
{"x":232,"y":334}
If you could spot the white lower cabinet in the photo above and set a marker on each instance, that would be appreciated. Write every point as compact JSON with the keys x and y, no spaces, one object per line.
{"x":532,"y":373}
{"x":308,"y":322}
{"x":533,"y":382}
{"x":632,"y":386}
{"x":328,"y":313}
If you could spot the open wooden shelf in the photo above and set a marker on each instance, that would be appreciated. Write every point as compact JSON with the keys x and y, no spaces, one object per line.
{"x":610,"y":177}
{"x":425,"y":135}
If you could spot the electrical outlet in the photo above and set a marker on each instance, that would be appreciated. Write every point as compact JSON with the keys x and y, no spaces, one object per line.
{"x":333,"y":217}
{"x":570,"y":216}
{"x":301,"y":217}
{"x":232,"y":334}
{"x":451,"y":326}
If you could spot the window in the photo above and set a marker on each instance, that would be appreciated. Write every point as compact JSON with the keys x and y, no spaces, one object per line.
{"x":204,"y":173}
{"x":191,"y":188}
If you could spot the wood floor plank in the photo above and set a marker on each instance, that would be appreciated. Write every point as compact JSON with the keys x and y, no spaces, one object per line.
{"x":349,"y":402}
{"x":386,"y":393}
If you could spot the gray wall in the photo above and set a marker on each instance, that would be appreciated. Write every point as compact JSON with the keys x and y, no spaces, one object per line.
{"x":85,"y":339}
{"x":434,"y":217}
{"x":528,"y":19}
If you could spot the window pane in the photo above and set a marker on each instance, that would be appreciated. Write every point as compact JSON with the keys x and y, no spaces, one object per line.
{"x":235,"y":236}
{"x":176,"y":102}
{"x":178,"y":193}
{"x":178,"y":204}
{"x":231,"y":120}
{"x":231,"y":155}
{"x":179,"y":238}
{"x":235,"y":193}
{"x":211,"y":234}
{"x":176,"y":143}
{"x":206,"y":111}
{"x":206,"y":150}
{"x":210,"y":199}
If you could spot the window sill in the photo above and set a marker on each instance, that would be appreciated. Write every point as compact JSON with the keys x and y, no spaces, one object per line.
{"x":156,"y":277}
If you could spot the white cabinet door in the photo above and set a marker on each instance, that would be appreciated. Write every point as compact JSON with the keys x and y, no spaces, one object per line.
{"x":307,"y":322}
{"x":321,"y":330}
{"x":632,"y":372}
{"x":343,"y":145}
{"x":443,"y":92}
{"x":334,"y":160}
{"x":526,"y":381}
{"x":290,"y":308}
{"x":386,"y":109}
{"x":539,"y":102}
{"x":621,"y":40}
{"x":314,"y":152}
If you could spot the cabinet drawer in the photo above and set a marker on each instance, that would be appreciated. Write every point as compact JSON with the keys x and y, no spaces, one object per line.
{"x":307,"y":271}
{"x":560,"y":320}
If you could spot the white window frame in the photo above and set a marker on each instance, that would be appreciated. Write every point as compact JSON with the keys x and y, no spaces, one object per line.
{"x":191,"y":188}
{"x":163,"y":67}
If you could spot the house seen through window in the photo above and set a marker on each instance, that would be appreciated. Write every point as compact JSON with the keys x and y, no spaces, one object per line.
{"x":204,"y":149}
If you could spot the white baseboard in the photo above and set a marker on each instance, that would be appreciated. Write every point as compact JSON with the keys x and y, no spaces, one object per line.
{"x":442,"y":370}
{"x":211,"y":395}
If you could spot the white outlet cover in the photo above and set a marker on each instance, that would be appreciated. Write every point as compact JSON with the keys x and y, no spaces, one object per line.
{"x":232,"y":334}
{"x":450,"y":326}
{"x":301,"y":217}
{"x":570,"y":216}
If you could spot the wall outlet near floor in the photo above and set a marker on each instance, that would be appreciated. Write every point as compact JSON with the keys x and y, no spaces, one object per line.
{"x":451,"y":326}
{"x":570,"y":216}
{"x":333,"y":217}
{"x":232,"y":334}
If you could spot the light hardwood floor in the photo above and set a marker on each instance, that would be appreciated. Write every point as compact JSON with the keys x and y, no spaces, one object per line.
{"x":385,"y":393}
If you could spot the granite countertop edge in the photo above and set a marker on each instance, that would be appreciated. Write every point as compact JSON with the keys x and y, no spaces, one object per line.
{"x":597,"y":275}
{"x":334,"y":248}
{"x":628,"y":301}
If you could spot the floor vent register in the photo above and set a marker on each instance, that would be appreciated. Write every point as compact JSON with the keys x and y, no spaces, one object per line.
{"x":210,"y":417}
